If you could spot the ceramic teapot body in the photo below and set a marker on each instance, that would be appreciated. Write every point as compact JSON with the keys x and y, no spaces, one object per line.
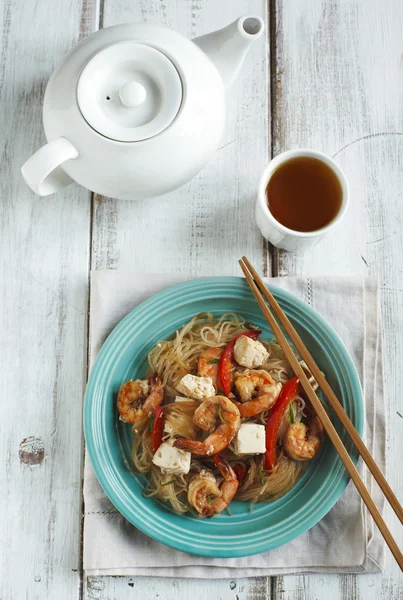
{"x":135,"y":111}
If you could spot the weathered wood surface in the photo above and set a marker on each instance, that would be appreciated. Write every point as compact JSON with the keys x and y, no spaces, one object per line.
{"x":147,"y":588}
{"x":196,"y":228}
{"x":43,"y":307}
{"x":336,"y":85}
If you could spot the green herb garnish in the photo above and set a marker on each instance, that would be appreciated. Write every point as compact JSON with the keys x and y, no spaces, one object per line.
{"x":151,"y":423}
{"x":229,"y":513}
{"x":219,"y":413}
{"x":213,"y":361}
{"x":259,"y":472}
{"x":291,"y":414}
{"x":168,"y":482}
{"x":209,"y":499}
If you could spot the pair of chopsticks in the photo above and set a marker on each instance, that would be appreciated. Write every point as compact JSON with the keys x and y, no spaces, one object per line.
{"x":256,"y":284}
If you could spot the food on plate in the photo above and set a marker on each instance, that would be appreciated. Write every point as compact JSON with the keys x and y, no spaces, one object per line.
{"x":250,"y":439}
{"x":257,"y":391}
{"x":249,"y":353}
{"x":206,"y":495}
{"x":302,"y":440}
{"x":138,"y":399}
{"x":219,"y":418}
{"x":208,"y":365}
{"x":196,"y":387}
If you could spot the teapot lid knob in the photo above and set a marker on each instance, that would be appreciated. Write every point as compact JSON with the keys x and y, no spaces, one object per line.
{"x":132,"y":94}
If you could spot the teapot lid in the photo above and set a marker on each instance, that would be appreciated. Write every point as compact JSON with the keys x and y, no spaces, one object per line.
{"x":129,"y":92}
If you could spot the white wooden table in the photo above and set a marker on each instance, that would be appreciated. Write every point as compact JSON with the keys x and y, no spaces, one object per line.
{"x":334,"y":70}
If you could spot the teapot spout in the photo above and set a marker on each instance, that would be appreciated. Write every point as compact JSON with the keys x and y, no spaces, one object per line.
{"x":228,"y":47}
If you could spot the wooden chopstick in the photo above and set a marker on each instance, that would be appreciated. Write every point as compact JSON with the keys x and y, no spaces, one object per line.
{"x":327,"y":390}
{"x":322,"y":414}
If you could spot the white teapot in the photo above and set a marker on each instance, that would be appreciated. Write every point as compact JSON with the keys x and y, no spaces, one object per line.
{"x":135,"y":111}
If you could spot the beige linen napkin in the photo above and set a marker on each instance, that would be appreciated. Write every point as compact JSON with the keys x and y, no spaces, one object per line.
{"x":343,"y":541}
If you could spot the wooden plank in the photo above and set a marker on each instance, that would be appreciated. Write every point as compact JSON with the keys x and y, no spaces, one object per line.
{"x":337,"y":87}
{"x":195,"y":230}
{"x":154,"y":588}
{"x":43,"y":306}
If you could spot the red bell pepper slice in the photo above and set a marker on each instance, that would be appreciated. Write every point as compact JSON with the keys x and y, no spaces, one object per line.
{"x":287,"y":395}
{"x":158,"y":429}
{"x":240,"y":472}
{"x":226,"y":360}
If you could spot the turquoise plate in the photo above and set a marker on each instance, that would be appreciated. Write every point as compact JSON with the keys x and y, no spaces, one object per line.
{"x":124,"y":356}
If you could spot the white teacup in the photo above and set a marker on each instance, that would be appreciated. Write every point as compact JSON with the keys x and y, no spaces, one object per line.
{"x":282,"y":236}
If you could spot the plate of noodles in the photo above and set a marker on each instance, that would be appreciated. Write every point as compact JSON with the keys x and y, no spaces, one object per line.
{"x":198,"y":430}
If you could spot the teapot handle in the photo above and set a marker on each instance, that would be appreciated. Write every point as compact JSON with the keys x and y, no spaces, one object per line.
{"x":43,"y":172}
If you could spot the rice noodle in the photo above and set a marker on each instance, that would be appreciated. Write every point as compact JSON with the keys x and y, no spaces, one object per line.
{"x":261,"y":486}
{"x":179,"y":356}
{"x":175,"y":358}
{"x":179,"y":418}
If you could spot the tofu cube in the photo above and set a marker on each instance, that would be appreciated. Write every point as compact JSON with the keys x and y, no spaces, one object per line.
{"x":172,"y":460}
{"x":198,"y":388}
{"x":250,"y":353}
{"x":250,"y":439}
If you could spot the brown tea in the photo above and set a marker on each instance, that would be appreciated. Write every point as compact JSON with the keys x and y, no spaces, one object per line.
{"x":304,"y":194}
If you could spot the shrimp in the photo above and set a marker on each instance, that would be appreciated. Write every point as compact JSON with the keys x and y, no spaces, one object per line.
{"x":138,"y":399}
{"x":257,"y":390}
{"x":302,"y":441}
{"x":220,"y":417}
{"x":209,"y":364}
{"x":204,"y":493}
